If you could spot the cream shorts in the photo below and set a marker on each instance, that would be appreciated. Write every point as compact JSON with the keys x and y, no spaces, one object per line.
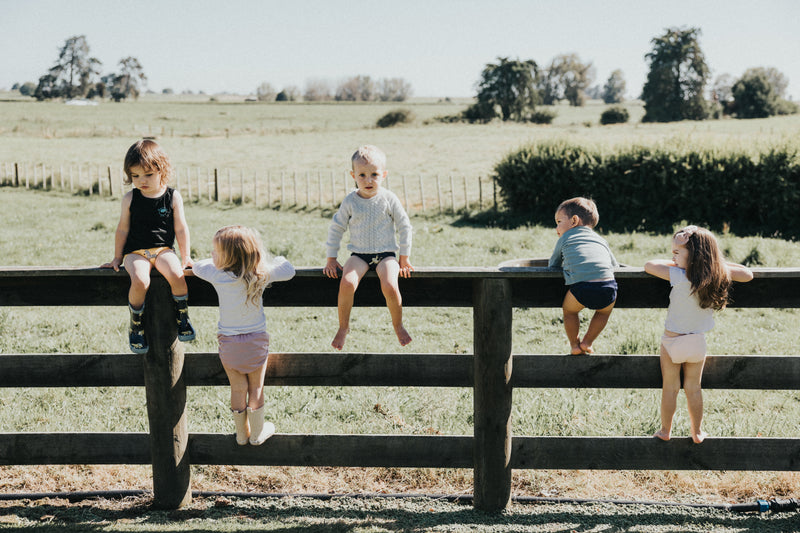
{"x":689,"y":348}
{"x":244,"y":353}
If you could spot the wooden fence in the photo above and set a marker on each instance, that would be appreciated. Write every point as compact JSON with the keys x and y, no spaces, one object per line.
{"x":306,"y":189}
{"x":492,"y":371}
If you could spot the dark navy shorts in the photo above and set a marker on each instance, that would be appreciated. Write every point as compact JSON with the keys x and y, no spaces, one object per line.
{"x":595,"y":294}
{"x":372,"y":260}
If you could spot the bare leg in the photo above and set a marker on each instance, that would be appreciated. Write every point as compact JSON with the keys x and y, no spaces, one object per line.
{"x":671,"y":385}
{"x":388,"y":270}
{"x":138,"y":269}
{"x":692,"y":374}
{"x":572,"y":322}
{"x":170,"y":267}
{"x":239,"y":384}
{"x":596,"y":325}
{"x":255,"y":387}
{"x":352,"y":272}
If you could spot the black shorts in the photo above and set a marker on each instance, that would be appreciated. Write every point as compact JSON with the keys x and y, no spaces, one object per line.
{"x":372,"y":260}
{"x":595,"y":294}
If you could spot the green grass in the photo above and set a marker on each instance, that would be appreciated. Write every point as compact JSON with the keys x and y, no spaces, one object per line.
{"x":85,"y":238}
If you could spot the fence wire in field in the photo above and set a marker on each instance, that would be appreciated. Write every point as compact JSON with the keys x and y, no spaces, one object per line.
{"x":300,"y":189}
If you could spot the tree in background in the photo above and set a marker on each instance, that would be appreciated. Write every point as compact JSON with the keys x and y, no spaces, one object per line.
{"x":73,"y":73}
{"x":614,"y":89}
{"x":393,"y":90}
{"x":677,"y":78}
{"x":567,"y":78}
{"x":356,"y":89}
{"x":266,"y":92}
{"x":289,"y":93}
{"x":722,"y":90}
{"x":129,"y":81}
{"x":26,"y":89}
{"x":317,"y":90}
{"x":753,"y":95}
{"x":509,"y":85}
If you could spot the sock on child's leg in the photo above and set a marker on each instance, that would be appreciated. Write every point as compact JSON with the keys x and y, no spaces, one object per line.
{"x":185,"y":329}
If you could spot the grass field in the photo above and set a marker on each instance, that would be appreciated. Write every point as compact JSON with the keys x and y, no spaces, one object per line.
{"x":78,"y":231}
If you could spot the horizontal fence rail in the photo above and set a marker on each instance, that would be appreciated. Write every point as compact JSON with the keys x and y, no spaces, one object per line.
{"x":492,"y":371}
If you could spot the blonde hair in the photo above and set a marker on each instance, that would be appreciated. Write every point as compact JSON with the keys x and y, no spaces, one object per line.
{"x":148,"y":155}
{"x":584,"y":208}
{"x":705,"y":267}
{"x":370,"y":154}
{"x":241,"y":253}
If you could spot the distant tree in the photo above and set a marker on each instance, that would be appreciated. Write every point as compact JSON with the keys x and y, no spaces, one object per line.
{"x":754,"y":96}
{"x":567,"y":78}
{"x":509,"y":85}
{"x":677,"y":78}
{"x":317,"y":90}
{"x":722,"y":89}
{"x":393,"y":90}
{"x":357,"y":88}
{"x":266,"y":92}
{"x":15,"y":87}
{"x":73,"y":72}
{"x":127,"y":82}
{"x":288,"y":94}
{"x":776,"y":78}
{"x":614,"y":89}
{"x":26,"y":89}
{"x":167,"y":90}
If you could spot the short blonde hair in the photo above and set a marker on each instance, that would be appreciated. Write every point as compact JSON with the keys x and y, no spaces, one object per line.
{"x":242,"y":253}
{"x":584,"y":208}
{"x":370,"y":154}
{"x":148,"y":155}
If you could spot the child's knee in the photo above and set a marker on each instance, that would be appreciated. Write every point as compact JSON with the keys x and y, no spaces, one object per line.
{"x":141,"y":283}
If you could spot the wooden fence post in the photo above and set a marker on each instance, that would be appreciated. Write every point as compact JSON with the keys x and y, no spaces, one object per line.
{"x":166,"y":400}
{"x":492,"y":395}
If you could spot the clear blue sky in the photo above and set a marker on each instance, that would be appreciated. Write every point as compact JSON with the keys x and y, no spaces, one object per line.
{"x":439,"y":46}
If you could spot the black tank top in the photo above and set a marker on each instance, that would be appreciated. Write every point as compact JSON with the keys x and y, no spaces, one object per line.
{"x":152,"y":223}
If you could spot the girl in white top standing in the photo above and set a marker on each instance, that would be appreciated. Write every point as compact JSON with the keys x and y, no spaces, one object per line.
{"x":240,"y":270}
{"x":700,"y":279}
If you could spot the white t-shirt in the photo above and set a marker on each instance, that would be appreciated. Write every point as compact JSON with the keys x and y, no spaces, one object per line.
{"x":685,"y":314}
{"x":237,"y":316}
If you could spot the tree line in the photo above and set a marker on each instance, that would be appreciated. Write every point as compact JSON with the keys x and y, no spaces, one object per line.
{"x":675,"y":88}
{"x":359,"y":88}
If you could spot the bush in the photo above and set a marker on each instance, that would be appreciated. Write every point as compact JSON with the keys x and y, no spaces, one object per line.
{"x":651,"y":189}
{"x":614,"y":115}
{"x":481,"y":112}
{"x":543,"y":116}
{"x":393,"y":118}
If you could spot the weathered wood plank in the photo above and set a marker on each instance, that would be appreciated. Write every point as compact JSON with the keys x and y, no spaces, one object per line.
{"x":417,"y":451}
{"x":492,"y":393}
{"x":649,"y":453}
{"x":74,"y":448}
{"x":751,"y":372}
{"x":428,"y":287}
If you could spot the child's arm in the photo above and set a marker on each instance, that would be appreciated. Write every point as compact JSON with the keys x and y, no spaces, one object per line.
{"x":332,"y":268}
{"x":739,"y":273}
{"x":181,"y":230}
{"x":280,"y":270}
{"x":336,"y":231}
{"x":659,"y":267}
{"x":405,"y":267}
{"x":121,"y":235}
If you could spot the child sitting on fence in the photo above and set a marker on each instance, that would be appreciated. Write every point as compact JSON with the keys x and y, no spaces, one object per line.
{"x":588,"y":266}
{"x":152,"y":220}
{"x":700,"y":278}
{"x":374,"y":215}
{"x":240,"y":269}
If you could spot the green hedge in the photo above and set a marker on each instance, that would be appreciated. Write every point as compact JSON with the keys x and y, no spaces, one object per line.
{"x":653,"y":189}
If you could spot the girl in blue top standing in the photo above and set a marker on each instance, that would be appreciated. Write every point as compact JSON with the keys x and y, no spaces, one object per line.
{"x":588,"y":266}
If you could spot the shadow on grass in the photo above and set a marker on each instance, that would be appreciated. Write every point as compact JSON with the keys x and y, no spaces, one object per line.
{"x":299,"y":514}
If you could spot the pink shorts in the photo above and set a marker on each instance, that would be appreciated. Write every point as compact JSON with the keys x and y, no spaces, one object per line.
{"x":244,"y":353}
{"x":689,"y":348}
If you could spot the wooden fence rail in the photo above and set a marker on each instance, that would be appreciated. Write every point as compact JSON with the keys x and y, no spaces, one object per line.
{"x":492,"y":371}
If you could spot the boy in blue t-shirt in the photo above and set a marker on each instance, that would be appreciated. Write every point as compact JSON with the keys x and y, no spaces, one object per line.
{"x":588,"y":266}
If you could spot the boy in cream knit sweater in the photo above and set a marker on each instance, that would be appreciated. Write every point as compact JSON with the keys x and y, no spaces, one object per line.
{"x":373,"y":215}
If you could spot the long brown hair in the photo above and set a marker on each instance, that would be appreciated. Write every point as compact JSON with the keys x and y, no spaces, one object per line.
{"x":705,"y":268}
{"x":241,"y":253}
{"x":148,"y":155}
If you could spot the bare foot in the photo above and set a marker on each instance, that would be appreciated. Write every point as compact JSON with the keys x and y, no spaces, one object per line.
{"x":576,"y":350}
{"x":699,"y":437}
{"x":402,"y":335}
{"x":338,"y":340}
{"x":661,"y":434}
{"x":586,"y":348}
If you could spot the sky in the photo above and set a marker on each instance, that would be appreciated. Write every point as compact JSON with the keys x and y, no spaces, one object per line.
{"x":439,"y":46}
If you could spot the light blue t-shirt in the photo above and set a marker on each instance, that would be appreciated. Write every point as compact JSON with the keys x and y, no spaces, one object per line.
{"x":583,"y":255}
